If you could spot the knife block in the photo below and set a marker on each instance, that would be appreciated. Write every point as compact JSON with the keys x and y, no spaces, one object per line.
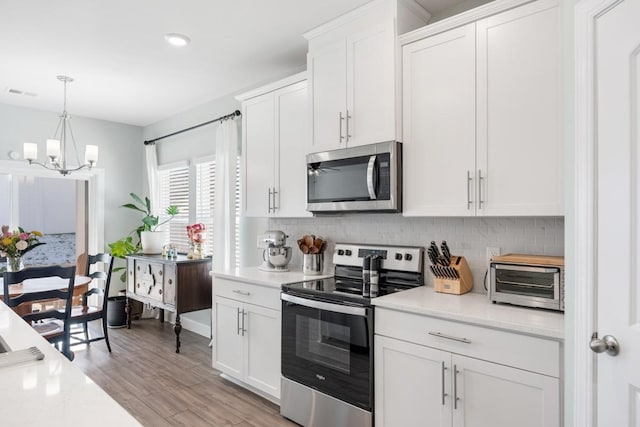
{"x":459,"y":286}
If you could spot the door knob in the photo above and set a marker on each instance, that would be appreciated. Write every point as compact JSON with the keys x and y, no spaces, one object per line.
{"x":608,"y":343}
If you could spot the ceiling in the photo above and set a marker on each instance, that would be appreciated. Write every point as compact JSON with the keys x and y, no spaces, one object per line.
{"x":125,"y":72}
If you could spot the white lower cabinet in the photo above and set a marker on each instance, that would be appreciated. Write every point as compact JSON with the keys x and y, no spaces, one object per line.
{"x":418,"y":385}
{"x":246,"y":343}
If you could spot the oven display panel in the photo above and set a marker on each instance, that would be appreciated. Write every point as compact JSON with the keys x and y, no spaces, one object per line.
{"x":379,"y":252}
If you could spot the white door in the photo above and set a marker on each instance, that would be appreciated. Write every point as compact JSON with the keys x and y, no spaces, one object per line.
{"x":262,"y":349}
{"x":617,"y":71}
{"x":412,"y":384}
{"x":292,"y":120}
{"x":227,"y":345}
{"x":439,"y":124}
{"x":519,"y":112}
{"x":258,"y":127}
{"x":371,"y":66}
{"x":489,"y":394}
{"x":327,"y":83}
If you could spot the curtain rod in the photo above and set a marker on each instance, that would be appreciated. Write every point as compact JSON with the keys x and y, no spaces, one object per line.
{"x":219,"y":119}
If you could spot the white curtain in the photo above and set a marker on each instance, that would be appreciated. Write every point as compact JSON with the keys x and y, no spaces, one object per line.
{"x":152,"y":177}
{"x":225,"y":193}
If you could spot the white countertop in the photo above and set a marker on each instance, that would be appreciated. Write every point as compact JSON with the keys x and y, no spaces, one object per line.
{"x":267,"y":278}
{"x":50,"y":392}
{"x":476,"y":309}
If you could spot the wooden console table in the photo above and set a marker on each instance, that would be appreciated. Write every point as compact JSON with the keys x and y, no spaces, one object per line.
{"x":178,"y":285}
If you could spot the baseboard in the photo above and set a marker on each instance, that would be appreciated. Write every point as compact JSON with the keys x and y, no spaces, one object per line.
{"x":196,"y":327}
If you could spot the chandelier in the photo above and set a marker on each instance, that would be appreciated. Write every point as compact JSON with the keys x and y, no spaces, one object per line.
{"x":57,"y":147}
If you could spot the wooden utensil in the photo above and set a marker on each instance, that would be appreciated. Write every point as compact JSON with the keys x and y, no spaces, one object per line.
{"x":313,"y":250}
{"x":318,"y":242}
{"x":308,"y":240}
{"x":304,"y":248}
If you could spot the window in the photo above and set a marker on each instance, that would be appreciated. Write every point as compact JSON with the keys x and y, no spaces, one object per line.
{"x":205,"y":188}
{"x":174,"y":190}
{"x":174,"y":180}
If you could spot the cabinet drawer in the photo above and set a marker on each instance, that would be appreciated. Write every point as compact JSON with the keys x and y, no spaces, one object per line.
{"x":247,"y":292}
{"x":508,"y":348}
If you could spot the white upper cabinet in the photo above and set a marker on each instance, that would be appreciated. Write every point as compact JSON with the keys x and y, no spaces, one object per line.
{"x":482,"y":116}
{"x":352,"y":65}
{"x":439,"y":84}
{"x":275,"y":140}
{"x":520,"y":150}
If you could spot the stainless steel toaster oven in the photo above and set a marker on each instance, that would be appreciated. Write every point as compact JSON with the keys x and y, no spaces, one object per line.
{"x":528,"y":280}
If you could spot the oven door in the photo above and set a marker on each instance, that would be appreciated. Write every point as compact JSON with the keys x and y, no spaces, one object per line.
{"x":329,"y":347}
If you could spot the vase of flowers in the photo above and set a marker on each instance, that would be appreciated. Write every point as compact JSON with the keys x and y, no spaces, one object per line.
{"x":197,"y":235}
{"x":15,"y":244}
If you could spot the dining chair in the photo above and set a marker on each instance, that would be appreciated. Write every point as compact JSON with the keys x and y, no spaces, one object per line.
{"x":85,"y":313}
{"x":52,"y":324}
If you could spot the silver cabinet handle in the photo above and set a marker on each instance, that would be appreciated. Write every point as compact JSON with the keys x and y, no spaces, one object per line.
{"x":444,"y":368}
{"x":469,"y":179}
{"x":269,"y":200}
{"x":238,"y":321}
{"x":274,"y":199}
{"x":238,"y":291}
{"x":449,"y":337}
{"x":244,"y":313}
{"x":608,"y":343}
{"x":340,"y":127}
{"x":455,"y":387}
{"x":480,"y":180}
{"x":370,"y":171}
{"x":348,"y":134}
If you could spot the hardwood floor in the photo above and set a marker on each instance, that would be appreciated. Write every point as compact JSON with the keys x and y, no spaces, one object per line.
{"x":161,"y":388}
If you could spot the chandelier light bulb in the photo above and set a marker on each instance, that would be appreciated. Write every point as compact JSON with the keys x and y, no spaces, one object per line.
{"x":176,"y":39}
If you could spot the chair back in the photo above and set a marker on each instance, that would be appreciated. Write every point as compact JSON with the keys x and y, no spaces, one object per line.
{"x":66,"y":273}
{"x":94,"y":260}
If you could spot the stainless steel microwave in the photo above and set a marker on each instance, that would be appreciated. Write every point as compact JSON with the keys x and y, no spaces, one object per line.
{"x":356,"y":179}
{"x":530,"y":281}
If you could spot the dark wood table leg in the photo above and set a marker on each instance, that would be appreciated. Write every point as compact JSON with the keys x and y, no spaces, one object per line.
{"x":177,"y":329}
{"x":127,"y":309}
{"x":161,"y":315}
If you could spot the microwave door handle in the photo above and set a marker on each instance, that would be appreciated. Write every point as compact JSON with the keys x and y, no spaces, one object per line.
{"x":370,"y":177}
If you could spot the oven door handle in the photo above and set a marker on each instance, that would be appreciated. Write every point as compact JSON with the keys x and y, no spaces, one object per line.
{"x":320,"y":305}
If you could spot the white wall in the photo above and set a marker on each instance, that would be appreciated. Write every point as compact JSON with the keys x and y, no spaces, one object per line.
{"x":38,"y":195}
{"x":468,"y":237}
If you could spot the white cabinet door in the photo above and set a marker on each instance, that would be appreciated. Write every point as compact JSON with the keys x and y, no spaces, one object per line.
{"x":292,"y":127}
{"x":520,"y":150}
{"x":370,"y":74}
{"x":228,"y":346}
{"x":439,"y":124}
{"x":500,"y":396}
{"x":258,"y":127}
{"x":412,"y":386}
{"x":262,"y":349}
{"x":327,"y":82}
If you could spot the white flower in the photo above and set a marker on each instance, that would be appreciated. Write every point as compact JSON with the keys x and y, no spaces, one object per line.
{"x":22,"y":245}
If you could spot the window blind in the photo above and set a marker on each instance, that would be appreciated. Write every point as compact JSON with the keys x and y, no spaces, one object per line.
{"x":205,"y":194}
{"x":174,"y":190}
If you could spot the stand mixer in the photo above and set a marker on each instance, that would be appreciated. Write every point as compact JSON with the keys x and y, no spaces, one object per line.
{"x":276,"y":255}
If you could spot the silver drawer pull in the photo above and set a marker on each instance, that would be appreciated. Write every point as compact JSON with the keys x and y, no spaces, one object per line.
{"x":449,"y":337}
{"x":238,"y":291}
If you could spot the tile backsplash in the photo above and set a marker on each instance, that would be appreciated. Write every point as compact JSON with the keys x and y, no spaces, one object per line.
{"x":468,"y":237}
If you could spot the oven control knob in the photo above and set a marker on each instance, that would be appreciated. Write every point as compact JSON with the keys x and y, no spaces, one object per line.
{"x":399,"y":256}
{"x":408,"y":257}
{"x":347,"y":252}
{"x":340,"y":252}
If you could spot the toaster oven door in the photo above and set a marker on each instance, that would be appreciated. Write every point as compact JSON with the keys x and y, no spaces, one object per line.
{"x":530,"y":286}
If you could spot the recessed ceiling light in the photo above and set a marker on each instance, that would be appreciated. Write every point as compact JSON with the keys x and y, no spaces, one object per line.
{"x":176,"y":39}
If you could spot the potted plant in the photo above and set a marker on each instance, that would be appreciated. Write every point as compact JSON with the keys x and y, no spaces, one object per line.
{"x":150,"y":240}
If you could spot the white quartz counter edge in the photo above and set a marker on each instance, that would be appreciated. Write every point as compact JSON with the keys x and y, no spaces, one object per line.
{"x":475,"y":309}
{"x":52,"y":391}
{"x":266,"y":278}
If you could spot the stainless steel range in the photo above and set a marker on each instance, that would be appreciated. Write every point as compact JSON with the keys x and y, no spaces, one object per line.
{"x":327,"y":334}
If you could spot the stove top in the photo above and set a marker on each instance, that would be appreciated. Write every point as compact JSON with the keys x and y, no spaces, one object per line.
{"x":401,"y":269}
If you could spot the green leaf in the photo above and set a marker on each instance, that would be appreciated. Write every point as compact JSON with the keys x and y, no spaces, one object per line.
{"x":150,"y":221}
{"x":132,"y":206}
{"x":137,"y":198}
{"x":146,"y":199}
{"x":173,"y":210}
